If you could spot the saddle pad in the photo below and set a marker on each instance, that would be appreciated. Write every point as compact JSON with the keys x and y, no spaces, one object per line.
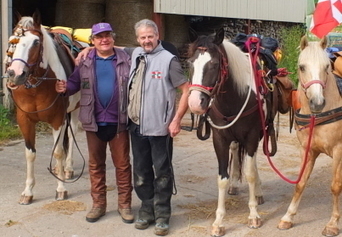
{"x":338,"y":83}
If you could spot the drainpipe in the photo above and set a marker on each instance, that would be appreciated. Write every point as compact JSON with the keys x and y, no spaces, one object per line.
{"x":6,"y":24}
{"x":159,"y":20}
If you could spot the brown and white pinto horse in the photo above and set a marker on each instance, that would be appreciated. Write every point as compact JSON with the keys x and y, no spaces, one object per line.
{"x":33,"y":67}
{"x":223,"y":87}
{"x":320,"y":100}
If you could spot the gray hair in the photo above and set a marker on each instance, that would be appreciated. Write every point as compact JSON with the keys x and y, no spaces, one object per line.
{"x":146,"y":23}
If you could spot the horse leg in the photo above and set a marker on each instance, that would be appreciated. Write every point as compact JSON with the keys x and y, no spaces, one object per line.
{"x":234,"y":169}
{"x":222,"y":154}
{"x":218,"y":228}
{"x":27,"y":128}
{"x":286,"y":221}
{"x":59,"y":155}
{"x":69,"y":170}
{"x":331,"y":228}
{"x":252,"y":177}
{"x":258,"y":191}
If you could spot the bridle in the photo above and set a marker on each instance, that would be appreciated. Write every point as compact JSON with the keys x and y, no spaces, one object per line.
{"x":212,"y":91}
{"x":31,"y":81}
{"x":33,"y":67}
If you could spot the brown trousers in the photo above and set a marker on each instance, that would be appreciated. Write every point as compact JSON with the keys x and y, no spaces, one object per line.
{"x":119,"y":150}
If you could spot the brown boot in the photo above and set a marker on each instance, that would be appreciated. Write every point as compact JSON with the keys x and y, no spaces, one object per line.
{"x":126,"y":215}
{"x":119,"y":148}
{"x":97,"y":175}
{"x":95,"y":214}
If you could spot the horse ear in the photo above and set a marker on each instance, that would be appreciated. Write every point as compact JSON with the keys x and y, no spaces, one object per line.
{"x":324,"y":42}
{"x":37,"y":18}
{"x":192,"y":35}
{"x":219,"y":37}
{"x":303,"y":42}
{"x":17,"y":17}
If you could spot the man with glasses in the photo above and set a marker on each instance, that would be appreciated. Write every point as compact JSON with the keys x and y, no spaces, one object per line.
{"x":102,"y":78}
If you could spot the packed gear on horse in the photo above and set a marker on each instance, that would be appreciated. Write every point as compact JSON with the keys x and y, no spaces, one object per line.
{"x":273,"y":83}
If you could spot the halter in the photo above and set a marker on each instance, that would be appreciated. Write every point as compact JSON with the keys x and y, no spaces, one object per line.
{"x":212,"y":91}
{"x":29,"y":75}
{"x":308,"y":84}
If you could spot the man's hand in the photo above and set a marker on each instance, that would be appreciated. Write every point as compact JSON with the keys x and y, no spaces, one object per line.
{"x":174,"y":127}
{"x":82,"y":55}
{"x":60,"y":86}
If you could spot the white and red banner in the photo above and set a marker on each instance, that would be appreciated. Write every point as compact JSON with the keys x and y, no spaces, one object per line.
{"x":327,"y":15}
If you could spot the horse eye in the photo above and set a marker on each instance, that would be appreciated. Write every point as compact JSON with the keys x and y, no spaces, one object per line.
{"x":302,"y":68}
{"x":36,"y":42}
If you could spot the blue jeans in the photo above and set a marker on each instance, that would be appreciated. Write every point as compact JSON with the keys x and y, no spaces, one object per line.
{"x":152,"y":157}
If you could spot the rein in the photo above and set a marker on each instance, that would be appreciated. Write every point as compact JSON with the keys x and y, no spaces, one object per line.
{"x":255,"y":43}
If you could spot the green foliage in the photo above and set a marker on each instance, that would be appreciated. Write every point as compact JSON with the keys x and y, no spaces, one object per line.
{"x":8,"y":129}
{"x":290,"y":39}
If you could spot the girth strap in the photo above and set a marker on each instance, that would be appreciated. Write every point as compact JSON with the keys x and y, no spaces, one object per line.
{"x":321,"y":118}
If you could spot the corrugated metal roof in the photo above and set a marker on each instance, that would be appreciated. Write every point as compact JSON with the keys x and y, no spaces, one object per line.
{"x":270,"y":10}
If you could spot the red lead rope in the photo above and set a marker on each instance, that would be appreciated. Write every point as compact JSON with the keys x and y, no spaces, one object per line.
{"x":258,"y":83}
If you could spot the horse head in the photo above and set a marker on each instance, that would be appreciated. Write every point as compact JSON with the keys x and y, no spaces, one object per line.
{"x":206,"y":65}
{"x":314,"y":68}
{"x":24,"y":55}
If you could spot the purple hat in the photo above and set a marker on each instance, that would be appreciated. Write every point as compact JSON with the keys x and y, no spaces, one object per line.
{"x":100,"y":27}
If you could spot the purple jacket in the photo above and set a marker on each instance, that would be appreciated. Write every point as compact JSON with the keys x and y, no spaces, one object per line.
{"x":83,"y":79}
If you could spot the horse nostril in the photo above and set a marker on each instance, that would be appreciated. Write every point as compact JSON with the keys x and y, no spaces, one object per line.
{"x":11,"y":73}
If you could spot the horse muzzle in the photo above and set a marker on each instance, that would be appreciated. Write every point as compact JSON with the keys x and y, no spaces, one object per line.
{"x":14,"y":79}
{"x":316,"y":105}
{"x":198,"y":102}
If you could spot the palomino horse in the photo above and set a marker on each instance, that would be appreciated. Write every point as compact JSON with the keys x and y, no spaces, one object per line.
{"x":321,"y":105}
{"x":223,"y":87}
{"x":33,"y":67}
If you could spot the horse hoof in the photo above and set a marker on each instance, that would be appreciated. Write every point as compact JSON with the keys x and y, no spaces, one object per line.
{"x":260,"y":200}
{"x":233,"y":191}
{"x":25,"y":200}
{"x":330,"y":231}
{"x":254,"y":223}
{"x":217,"y":231}
{"x":284,"y":225}
{"x":61,"y":195}
{"x":69,"y":175}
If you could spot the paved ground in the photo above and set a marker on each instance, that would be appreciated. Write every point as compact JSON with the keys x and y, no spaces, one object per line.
{"x":193,"y":207}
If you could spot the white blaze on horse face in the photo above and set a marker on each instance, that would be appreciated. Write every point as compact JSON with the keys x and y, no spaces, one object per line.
{"x":194,"y":100}
{"x":22,"y":52}
{"x":315,"y":91}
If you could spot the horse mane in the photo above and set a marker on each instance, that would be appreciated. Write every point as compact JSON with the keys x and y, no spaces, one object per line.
{"x":50,"y":56}
{"x":238,"y":67}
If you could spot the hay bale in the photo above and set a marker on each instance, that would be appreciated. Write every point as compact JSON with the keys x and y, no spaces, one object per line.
{"x":79,"y":13}
{"x":122,"y":15}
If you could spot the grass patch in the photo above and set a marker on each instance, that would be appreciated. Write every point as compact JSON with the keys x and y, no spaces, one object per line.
{"x":9,"y":130}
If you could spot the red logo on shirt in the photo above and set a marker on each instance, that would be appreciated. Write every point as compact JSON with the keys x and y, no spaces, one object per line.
{"x":156,"y":75}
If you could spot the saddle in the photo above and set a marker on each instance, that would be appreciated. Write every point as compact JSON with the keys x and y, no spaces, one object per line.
{"x":337,"y":69}
{"x":67,"y":49}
